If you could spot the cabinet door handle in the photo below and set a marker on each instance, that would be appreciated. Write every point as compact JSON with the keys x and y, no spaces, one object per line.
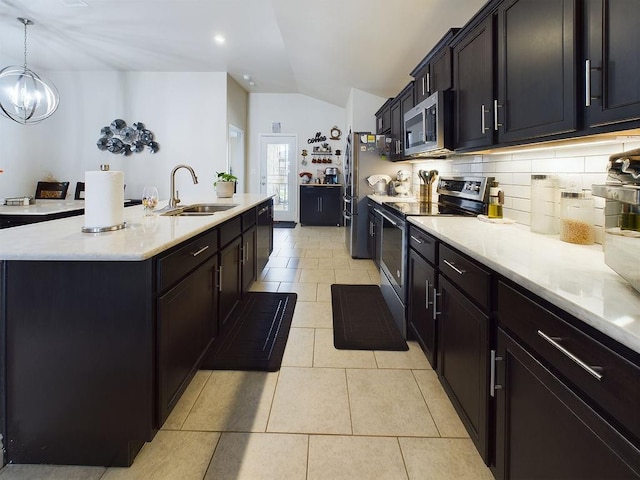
{"x":591,"y":370}
{"x":220,"y":278}
{"x":455,"y":269}
{"x":493,"y":386}
{"x":199,"y":251}
{"x":587,"y":83}
{"x":496,"y":124}
{"x":424,"y":85}
{"x":428,"y":76}
{"x":426,"y":294}
{"x":435,"y":307}
{"x":483,"y":123}
{"x":417,"y":240}
{"x":246,"y":249}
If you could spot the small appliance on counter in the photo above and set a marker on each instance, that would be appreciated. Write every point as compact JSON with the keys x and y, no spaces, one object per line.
{"x":331,"y":175}
{"x":402,"y":183}
{"x":622,"y":230}
{"x":379,"y":183}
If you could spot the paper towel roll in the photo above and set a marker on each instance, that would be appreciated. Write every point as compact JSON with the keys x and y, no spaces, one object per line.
{"x":103,"y":199}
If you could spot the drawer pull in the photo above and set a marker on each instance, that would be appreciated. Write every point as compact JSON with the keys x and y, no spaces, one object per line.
{"x":455,"y":269}
{"x":417,"y":240}
{"x":198,"y":252}
{"x":589,"y":369}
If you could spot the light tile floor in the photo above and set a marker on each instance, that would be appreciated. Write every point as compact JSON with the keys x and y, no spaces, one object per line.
{"x":327,"y":414}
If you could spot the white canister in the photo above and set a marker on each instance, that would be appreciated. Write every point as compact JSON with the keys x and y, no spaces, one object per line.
{"x":544,"y":204}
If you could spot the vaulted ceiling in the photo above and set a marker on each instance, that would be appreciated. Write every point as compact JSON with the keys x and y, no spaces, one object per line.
{"x":320,"y":48}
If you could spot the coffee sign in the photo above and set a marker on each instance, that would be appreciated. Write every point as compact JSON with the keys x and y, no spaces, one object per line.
{"x":317,"y":139}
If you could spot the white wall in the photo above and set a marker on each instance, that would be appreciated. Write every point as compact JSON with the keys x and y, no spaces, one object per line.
{"x":298,"y":115}
{"x":187,"y":112}
{"x":361,"y":110}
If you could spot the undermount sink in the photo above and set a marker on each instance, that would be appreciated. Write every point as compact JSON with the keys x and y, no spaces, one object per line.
{"x":199,"y":210}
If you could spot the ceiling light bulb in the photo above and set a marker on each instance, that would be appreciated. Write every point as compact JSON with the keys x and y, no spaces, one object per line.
{"x":219,"y":39}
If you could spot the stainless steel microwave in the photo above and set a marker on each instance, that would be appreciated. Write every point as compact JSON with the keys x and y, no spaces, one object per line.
{"x":428,"y":127}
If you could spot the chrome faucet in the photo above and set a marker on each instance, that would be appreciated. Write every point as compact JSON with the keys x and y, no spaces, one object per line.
{"x":174,"y":200}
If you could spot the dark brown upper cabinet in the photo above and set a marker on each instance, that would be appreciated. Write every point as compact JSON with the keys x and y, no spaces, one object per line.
{"x":433,"y":73}
{"x":612,"y":63}
{"x":473,"y":86}
{"x":383,"y":118}
{"x":536,"y":81}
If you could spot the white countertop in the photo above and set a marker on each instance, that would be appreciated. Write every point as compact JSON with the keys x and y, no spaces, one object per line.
{"x":573,"y":277}
{"x":43,"y":207}
{"x":389,"y":198}
{"x":142,"y":238}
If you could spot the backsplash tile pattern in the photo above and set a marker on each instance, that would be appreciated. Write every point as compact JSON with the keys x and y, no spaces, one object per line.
{"x":577,"y":166}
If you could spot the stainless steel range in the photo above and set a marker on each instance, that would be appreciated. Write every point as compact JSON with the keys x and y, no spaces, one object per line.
{"x":457,"y":196}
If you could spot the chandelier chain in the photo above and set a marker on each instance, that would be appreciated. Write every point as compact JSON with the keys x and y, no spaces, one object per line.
{"x":25,"y":44}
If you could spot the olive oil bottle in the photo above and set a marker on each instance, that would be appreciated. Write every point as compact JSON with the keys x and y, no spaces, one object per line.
{"x":496,"y":199}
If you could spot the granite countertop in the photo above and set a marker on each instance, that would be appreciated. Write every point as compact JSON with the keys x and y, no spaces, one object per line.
{"x":43,"y":207}
{"x":573,"y":277}
{"x":142,"y":238}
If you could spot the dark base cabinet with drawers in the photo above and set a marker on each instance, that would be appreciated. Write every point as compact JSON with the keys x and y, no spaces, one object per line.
{"x":566,"y":404}
{"x":541,"y":394}
{"x":422,"y":290}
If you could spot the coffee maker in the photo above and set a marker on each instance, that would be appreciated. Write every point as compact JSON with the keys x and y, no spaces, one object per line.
{"x":331,"y":175}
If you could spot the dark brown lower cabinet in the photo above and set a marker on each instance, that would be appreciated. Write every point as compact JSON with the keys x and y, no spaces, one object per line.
{"x":545,"y":431}
{"x":230,"y":286}
{"x":187,"y":325}
{"x":463,"y":360}
{"x":249,"y":258}
{"x":422,"y":325}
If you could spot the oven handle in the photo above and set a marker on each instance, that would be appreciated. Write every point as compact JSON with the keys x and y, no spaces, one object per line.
{"x":395,"y":223}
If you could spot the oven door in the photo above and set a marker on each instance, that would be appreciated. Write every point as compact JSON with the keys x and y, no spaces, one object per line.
{"x":392,"y":267}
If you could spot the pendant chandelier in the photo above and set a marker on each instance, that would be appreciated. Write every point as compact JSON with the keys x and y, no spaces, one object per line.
{"x":26,"y":97}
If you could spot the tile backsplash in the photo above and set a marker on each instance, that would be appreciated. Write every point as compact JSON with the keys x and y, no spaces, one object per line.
{"x":576,"y":167}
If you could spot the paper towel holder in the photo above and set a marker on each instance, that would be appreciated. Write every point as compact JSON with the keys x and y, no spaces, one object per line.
{"x":112,"y":228}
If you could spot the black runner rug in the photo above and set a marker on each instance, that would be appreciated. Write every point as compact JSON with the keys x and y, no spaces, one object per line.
{"x":255,"y":336}
{"x":362,"y":320}
{"x":284,"y":224}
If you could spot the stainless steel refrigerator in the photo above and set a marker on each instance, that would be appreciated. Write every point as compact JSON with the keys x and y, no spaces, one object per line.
{"x":365,"y":154}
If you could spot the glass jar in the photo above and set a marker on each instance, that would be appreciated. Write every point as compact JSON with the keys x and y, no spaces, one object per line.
{"x":544,"y":204}
{"x":577,"y":211}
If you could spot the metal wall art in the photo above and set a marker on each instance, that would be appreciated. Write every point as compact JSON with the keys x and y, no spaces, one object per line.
{"x":125,"y":140}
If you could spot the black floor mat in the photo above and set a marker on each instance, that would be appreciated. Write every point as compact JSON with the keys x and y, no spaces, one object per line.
{"x":283,"y":224}
{"x":255,"y":336}
{"x":362,"y":320}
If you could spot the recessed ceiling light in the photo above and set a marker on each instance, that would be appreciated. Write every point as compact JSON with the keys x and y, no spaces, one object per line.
{"x":246,"y":77}
{"x":219,"y":39}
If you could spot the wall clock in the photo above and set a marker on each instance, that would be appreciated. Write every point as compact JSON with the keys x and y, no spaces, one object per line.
{"x":335,"y":133}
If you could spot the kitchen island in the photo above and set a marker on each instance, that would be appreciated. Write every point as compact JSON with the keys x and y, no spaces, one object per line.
{"x":44,"y":210}
{"x":102,"y":332}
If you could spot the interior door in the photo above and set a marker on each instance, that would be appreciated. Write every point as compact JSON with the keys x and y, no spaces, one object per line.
{"x":278,"y":174}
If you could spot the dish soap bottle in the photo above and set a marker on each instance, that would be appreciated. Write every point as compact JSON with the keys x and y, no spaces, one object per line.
{"x":496,"y":199}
